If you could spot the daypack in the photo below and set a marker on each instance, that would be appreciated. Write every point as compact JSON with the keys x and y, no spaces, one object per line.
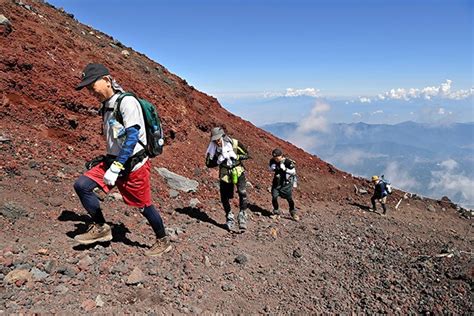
{"x":153,"y":128}
{"x":388,"y":185}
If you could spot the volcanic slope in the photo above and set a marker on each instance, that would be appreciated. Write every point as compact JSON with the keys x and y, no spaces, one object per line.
{"x":338,"y":258}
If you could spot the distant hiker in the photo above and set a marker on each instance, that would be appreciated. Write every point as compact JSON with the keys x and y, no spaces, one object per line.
{"x":380,"y":194}
{"x":283,"y":181}
{"x":228,"y":154}
{"x":125,"y":165}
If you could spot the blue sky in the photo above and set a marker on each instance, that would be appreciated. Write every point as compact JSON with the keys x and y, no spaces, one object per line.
{"x":342,"y":48}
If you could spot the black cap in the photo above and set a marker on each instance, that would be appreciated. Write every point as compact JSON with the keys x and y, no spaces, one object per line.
{"x":91,"y":74}
{"x":277,"y":152}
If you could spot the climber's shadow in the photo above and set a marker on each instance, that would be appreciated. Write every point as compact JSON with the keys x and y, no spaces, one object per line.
{"x":257,"y":209}
{"x":362,"y":207}
{"x":119,"y":231}
{"x":197,"y":213}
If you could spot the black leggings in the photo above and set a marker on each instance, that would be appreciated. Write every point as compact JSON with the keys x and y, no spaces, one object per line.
{"x":227,"y":193}
{"x":84,"y":188}
{"x":291,"y":203}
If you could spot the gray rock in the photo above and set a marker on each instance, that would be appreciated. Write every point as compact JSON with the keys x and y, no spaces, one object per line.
{"x":81,"y":276}
{"x":178,"y":182}
{"x":5,"y":23}
{"x":297,"y":253}
{"x":67,"y":271}
{"x":49,"y":266}
{"x":241,"y":259}
{"x":98,"y":301}
{"x":38,"y":275}
{"x":228,"y":287}
{"x":431,"y":208}
{"x":125,"y":53}
{"x":194,"y":202}
{"x":207,"y":261}
{"x":169,"y":277}
{"x":85,"y":262}
{"x":12,"y":211}
{"x":173,"y":193}
{"x":119,"y":268}
{"x":61,"y":289}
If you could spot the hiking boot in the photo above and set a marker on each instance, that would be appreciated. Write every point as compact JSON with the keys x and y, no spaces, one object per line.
{"x":95,"y":233}
{"x":242,"y":220}
{"x":161,"y":246}
{"x":294,"y":216}
{"x":275,"y":214}
{"x":230,"y":221}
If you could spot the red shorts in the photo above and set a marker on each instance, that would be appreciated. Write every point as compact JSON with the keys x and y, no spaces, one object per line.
{"x":135,"y":188}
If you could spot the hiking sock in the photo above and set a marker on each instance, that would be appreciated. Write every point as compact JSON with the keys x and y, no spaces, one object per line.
{"x":275,"y":203}
{"x":154,"y":218}
{"x":84,"y":187}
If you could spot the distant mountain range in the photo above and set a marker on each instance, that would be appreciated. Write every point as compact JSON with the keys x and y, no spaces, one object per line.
{"x":431,"y":160}
{"x":272,"y":109}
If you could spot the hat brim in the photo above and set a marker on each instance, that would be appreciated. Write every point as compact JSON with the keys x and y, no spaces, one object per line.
{"x":87,"y":81}
{"x":216,"y":137}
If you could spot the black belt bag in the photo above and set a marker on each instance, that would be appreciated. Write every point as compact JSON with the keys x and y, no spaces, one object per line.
{"x":108,"y":160}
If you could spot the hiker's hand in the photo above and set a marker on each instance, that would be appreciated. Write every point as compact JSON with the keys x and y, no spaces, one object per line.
{"x":112,"y":173}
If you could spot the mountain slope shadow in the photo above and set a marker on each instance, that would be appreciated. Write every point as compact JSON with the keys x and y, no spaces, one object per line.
{"x":197,"y":213}
{"x":119,"y":231}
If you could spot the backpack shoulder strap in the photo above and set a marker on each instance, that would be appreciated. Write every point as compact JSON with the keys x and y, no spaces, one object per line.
{"x":117,"y":113}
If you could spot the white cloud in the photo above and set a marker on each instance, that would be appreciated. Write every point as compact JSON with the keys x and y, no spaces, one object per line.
{"x":353,"y":157}
{"x":399,"y":177}
{"x":444,"y":90}
{"x":449,"y":182}
{"x":377,"y":112}
{"x":311,"y":92}
{"x":316,"y":121}
{"x":449,"y":164}
{"x":356,"y":114}
{"x":436,"y":115}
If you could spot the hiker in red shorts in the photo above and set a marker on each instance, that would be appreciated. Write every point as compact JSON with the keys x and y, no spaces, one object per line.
{"x":126,"y":164}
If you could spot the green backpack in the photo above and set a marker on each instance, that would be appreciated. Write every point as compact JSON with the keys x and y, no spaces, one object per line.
{"x":153,"y":128}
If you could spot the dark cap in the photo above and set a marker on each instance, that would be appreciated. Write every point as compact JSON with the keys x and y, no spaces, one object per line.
{"x":277,"y":152}
{"x":91,"y":74}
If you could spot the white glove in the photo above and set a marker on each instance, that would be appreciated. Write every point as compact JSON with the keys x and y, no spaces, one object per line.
{"x":220,"y":159}
{"x":282,"y":166}
{"x":112,"y":173}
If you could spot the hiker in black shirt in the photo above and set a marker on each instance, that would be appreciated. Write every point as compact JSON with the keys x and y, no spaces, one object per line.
{"x":283,"y":181}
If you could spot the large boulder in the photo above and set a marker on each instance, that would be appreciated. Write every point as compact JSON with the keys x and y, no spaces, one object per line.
{"x":178,"y":182}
